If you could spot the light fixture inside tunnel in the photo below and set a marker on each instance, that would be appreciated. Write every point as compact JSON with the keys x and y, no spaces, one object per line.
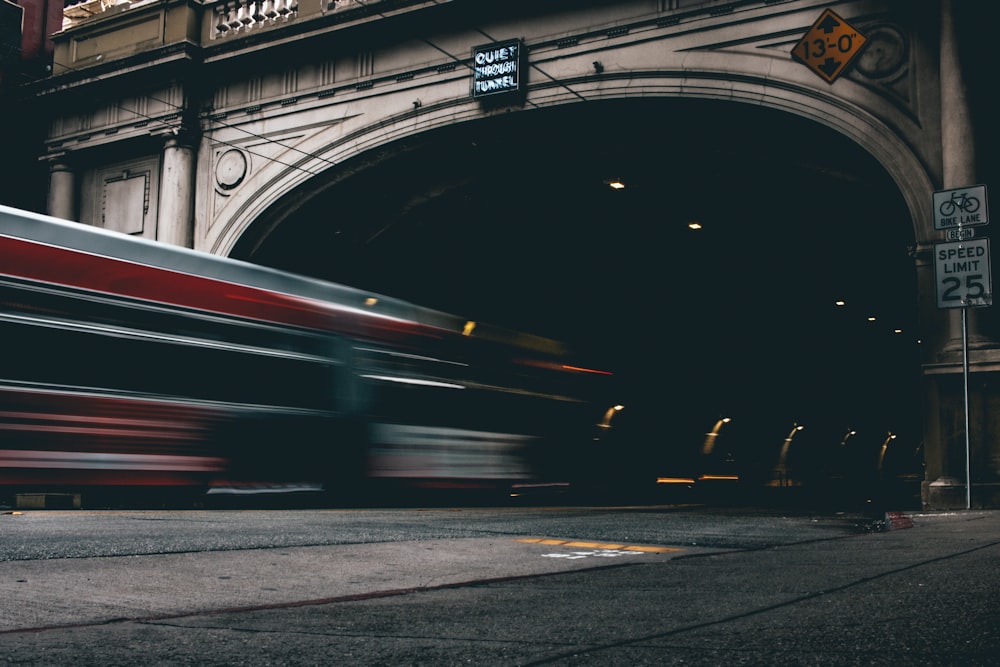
{"x":616,"y":184}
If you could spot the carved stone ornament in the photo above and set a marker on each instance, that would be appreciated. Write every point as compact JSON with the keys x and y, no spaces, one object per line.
{"x":884,"y":55}
{"x":231,"y":169}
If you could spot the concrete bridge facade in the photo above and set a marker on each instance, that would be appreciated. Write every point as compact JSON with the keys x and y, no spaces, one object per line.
{"x":207,"y":123}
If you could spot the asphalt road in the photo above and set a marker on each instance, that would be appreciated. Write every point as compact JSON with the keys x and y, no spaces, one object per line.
{"x":498,"y":586}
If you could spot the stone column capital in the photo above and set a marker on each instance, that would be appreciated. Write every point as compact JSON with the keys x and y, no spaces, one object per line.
{"x":58,"y":161}
{"x":176,"y":137}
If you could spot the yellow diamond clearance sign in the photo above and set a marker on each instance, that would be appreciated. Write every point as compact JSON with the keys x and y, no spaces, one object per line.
{"x":829,"y":46}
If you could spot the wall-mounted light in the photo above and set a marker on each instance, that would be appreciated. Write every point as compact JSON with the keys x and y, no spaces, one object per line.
{"x":710,"y":437}
{"x":606,"y":422}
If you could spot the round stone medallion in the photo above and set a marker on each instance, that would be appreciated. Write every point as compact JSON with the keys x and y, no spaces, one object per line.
{"x":231,"y":169}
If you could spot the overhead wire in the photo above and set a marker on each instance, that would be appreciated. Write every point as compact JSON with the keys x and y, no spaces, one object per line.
{"x":180,"y":127}
{"x":488,"y":37}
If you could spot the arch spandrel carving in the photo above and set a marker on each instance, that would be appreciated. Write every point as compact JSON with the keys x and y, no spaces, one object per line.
{"x":878,"y":105}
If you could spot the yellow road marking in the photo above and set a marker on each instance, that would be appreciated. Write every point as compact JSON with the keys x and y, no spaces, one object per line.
{"x":597,"y":545}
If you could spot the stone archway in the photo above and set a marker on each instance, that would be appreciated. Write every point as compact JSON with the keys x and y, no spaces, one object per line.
{"x":557,"y":256}
{"x":902,"y":144}
{"x":879,"y":128}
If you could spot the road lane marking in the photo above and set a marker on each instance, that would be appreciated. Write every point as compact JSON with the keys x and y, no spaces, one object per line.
{"x":598,"y":553}
{"x":595,"y":549}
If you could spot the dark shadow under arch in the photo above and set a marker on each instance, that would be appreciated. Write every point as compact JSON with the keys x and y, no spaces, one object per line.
{"x":511,"y":220}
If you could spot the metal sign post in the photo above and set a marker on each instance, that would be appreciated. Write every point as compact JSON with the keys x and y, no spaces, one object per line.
{"x":963,"y":276}
{"x":965,"y":399}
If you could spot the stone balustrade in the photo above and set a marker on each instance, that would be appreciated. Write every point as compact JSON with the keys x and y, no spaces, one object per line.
{"x":245,"y":15}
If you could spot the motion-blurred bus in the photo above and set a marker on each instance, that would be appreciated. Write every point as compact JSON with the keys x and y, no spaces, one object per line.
{"x":129,"y":363}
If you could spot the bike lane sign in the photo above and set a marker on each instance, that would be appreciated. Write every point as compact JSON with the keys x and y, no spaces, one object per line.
{"x":960,"y":207}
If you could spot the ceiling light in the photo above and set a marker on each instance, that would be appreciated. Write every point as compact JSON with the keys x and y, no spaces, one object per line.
{"x":840,"y":302}
{"x":694,"y":224}
{"x":616,"y":184}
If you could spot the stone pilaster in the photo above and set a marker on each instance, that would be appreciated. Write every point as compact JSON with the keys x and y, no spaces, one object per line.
{"x":945,"y":484}
{"x":175,"y":219}
{"x":62,"y":199}
{"x":958,"y":149}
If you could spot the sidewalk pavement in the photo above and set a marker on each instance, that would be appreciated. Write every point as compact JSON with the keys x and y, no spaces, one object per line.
{"x":918,"y":589}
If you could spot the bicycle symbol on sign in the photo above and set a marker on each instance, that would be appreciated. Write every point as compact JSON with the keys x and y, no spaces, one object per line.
{"x":959,"y":201}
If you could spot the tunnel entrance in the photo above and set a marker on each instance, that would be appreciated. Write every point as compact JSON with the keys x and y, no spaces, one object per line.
{"x":513,"y":220}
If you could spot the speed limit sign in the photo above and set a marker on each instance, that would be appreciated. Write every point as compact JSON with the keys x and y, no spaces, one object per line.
{"x":962,"y":274}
